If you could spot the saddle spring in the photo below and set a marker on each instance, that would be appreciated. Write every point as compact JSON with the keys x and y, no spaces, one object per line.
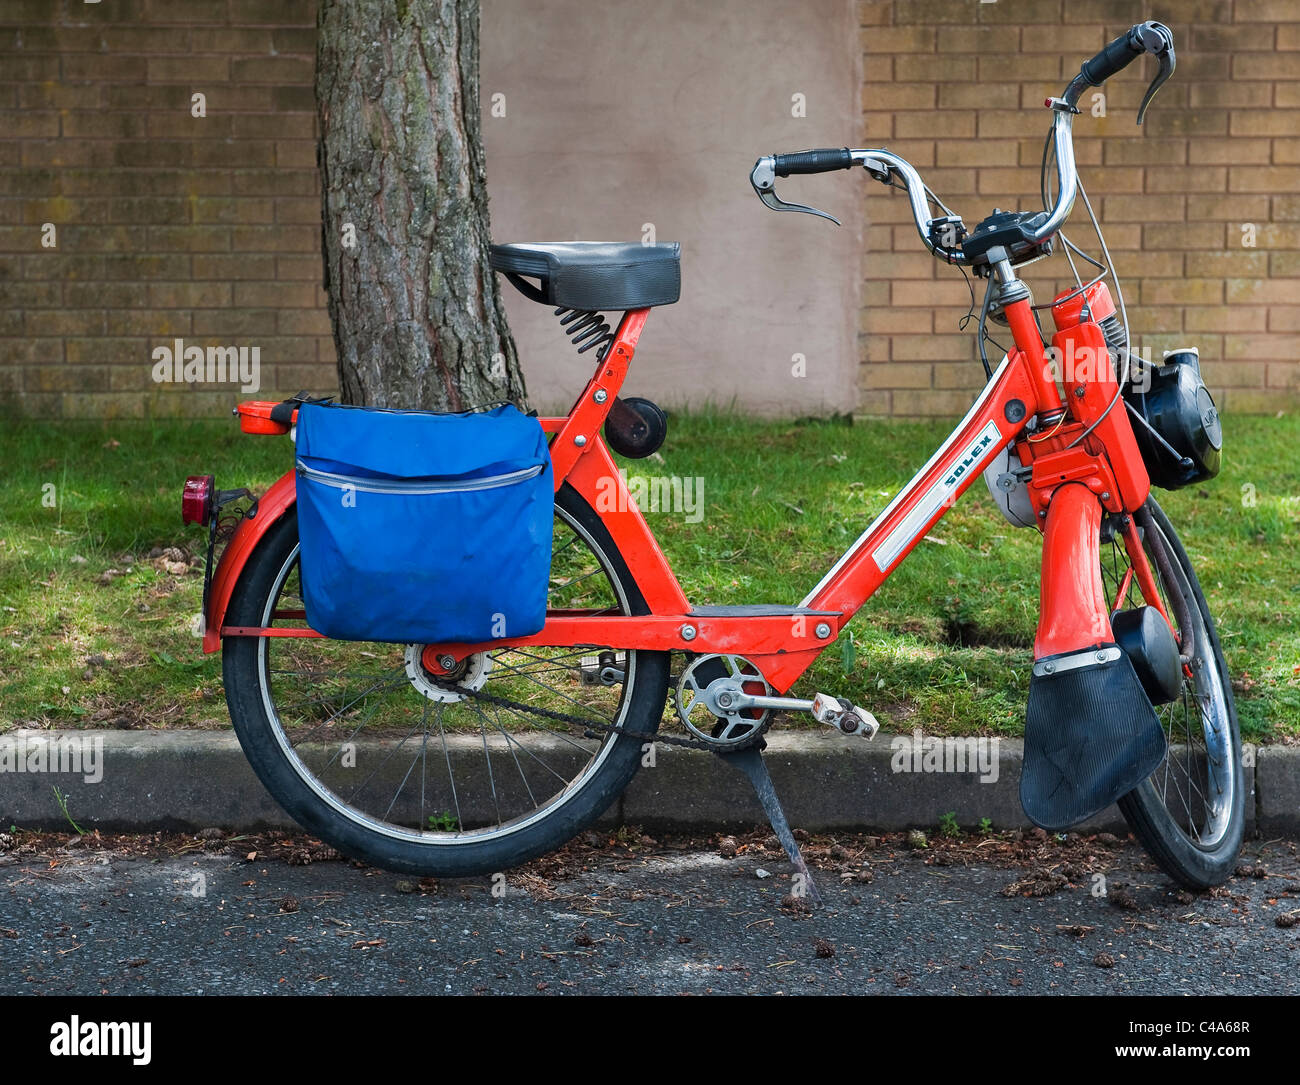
{"x":586,"y":329}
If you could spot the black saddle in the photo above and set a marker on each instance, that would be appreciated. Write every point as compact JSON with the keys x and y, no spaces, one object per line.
{"x":593,"y":275}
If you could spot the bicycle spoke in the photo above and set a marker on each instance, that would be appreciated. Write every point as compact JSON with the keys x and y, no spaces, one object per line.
{"x":1195,"y":779}
{"x":424,"y":763}
{"x":347,"y":741}
{"x":389,"y":757}
{"x":492,"y":781}
{"x":338,"y":704}
{"x":340,"y":712}
{"x":394,"y":684}
{"x":510,"y":746}
{"x":566,"y":697}
{"x":398,"y":792}
{"x":451,"y":776}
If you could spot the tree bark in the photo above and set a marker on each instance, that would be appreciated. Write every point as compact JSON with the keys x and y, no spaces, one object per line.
{"x":416,"y":310}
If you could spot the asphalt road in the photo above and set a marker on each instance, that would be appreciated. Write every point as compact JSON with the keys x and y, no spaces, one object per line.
{"x":663,"y":918}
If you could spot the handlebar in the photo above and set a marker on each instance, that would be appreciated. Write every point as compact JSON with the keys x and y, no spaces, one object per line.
{"x":1063,"y":138}
{"x":885,"y":166}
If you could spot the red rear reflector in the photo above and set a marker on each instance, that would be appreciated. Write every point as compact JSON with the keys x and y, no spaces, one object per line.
{"x":196,"y":500}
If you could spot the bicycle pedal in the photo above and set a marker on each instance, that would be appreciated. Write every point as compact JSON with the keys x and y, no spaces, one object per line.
{"x":844,"y":716}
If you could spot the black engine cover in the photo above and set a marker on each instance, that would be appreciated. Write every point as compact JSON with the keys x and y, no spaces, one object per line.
{"x":1178,"y":406}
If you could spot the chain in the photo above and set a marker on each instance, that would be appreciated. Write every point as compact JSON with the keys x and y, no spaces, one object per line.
{"x":592,"y":729}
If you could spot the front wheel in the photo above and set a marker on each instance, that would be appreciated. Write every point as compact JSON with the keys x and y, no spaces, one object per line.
{"x":366,"y":749}
{"x":1190,"y":814}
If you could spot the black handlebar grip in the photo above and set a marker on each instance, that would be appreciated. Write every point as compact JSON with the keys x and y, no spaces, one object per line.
{"x":1119,"y":54}
{"x":822,"y":160}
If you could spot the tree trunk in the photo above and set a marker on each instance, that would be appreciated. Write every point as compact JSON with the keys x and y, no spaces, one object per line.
{"x":416,"y":310}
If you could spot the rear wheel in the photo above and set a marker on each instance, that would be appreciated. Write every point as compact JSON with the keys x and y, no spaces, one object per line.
{"x":1190,"y":813}
{"x":371,"y":752}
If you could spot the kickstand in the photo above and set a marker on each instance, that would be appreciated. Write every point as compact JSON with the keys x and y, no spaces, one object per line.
{"x":750,"y":762}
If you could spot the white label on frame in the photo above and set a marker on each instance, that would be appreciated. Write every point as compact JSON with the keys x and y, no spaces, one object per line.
{"x":941,"y":493}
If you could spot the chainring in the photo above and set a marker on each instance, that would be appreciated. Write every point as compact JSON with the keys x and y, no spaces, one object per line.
{"x":703,"y":695}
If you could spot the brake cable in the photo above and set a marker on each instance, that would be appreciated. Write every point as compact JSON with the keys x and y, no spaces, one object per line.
{"x":1108,"y":267}
{"x":982,"y":336}
{"x":1128,"y":353}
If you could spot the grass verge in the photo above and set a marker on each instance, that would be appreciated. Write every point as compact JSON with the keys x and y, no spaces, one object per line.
{"x":95,"y":632}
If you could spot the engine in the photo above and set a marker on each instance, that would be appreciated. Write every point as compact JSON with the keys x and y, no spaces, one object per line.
{"x":1175,"y":422}
{"x":1177,"y":425}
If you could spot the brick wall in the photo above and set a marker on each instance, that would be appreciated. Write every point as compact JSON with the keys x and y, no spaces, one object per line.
{"x":206,"y":229}
{"x":168,"y":225}
{"x":956,"y":87}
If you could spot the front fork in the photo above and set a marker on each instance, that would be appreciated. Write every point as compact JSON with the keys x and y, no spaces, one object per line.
{"x":1091,"y":733}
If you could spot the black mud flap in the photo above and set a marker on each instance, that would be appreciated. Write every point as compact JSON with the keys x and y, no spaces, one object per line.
{"x":1091,"y":736}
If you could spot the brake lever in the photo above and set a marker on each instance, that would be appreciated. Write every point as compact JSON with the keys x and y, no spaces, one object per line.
{"x":763,"y":178}
{"x":1156,"y":38}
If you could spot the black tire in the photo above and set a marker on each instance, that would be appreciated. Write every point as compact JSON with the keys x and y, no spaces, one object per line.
{"x":449,"y":853}
{"x":1170,"y":835}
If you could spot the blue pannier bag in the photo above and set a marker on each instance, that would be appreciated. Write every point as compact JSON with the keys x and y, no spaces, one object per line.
{"x":417,"y":527}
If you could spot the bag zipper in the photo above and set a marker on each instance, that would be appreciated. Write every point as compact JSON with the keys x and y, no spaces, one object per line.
{"x":398,"y":486}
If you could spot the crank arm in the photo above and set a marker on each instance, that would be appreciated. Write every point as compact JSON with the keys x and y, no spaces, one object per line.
{"x":779,"y":704}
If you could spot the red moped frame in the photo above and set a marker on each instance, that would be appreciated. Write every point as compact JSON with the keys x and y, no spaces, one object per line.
{"x":1072,"y":481}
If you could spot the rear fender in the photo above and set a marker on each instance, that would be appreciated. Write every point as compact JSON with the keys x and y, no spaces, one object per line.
{"x":271,"y":508}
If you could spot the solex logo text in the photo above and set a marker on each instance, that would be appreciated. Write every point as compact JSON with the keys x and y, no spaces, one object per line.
{"x":981,"y":446}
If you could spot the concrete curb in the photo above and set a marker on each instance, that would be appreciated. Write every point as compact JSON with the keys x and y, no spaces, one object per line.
{"x":1277,"y":780}
{"x":159,"y":780}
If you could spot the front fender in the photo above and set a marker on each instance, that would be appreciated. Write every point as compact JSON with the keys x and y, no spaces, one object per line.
{"x":271,"y":507}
